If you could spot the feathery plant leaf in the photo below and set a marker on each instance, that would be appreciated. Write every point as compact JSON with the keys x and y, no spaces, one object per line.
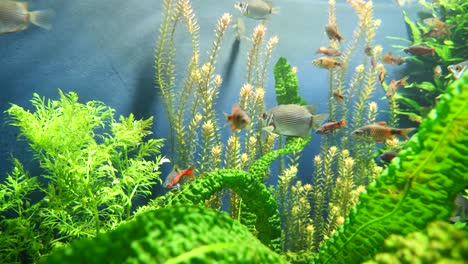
{"x":286,"y":84}
{"x":181,"y":234}
{"x":419,"y":186}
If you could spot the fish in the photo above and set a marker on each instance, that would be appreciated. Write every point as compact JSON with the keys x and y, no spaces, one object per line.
{"x":436,"y":33}
{"x":338,"y":96}
{"x":326,"y":63}
{"x":176,"y":175}
{"x":369,"y":51}
{"x":380,"y":132}
{"x":388,"y":156}
{"x":437,"y":72}
{"x":240,"y":28}
{"x":292,"y":120}
{"x":382,"y":72}
{"x":393,"y":86}
{"x":435,"y":23}
{"x":238,"y":119}
{"x":15,"y":16}
{"x":332,"y":33}
{"x":457,"y":70}
{"x":390,"y":59}
{"x":420,"y":49}
{"x":256,"y":9}
{"x":330,"y":126}
{"x":328,"y":51}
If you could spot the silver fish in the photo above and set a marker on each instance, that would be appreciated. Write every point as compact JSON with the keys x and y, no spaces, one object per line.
{"x":292,"y":120}
{"x":457,"y":70}
{"x":256,"y":9}
{"x":14,"y":17}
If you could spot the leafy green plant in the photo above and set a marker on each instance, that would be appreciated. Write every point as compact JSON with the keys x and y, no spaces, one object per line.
{"x":417,"y":188}
{"x":94,"y":167}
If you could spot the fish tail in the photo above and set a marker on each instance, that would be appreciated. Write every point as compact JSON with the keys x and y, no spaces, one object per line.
{"x":405,"y":131}
{"x":318,"y":120}
{"x":403,"y":81}
{"x":190,"y":171}
{"x":432,"y":51}
{"x":42,"y":18}
{"x":342,"y":122}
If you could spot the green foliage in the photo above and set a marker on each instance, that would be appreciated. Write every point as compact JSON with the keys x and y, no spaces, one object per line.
{"x":286,"y":84}
{"x":439,"y":243}
{"x":419,"y":186}
{"x":181,"y":234}
{"x":95,"y":167}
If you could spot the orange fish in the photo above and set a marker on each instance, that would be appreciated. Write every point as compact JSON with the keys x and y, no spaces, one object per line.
{"x":382,"y":73}
{"x":389,"y":59}
{"x":338,"y":96}
{"x":326,"y":63}
{"x":393,"y":86}
{"x":176,"y":174}
{"x":330,"y":126}
{"x":420,"y":49}
{"x":328,"y":51}
{"x":332,"y":32}
{"x":380,"y":132}
{"x":238,"y":119}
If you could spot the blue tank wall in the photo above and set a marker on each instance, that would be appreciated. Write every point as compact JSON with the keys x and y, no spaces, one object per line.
{"x":103,"y":50}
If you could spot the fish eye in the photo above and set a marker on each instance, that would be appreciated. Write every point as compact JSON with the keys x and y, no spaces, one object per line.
{"x":263,"y":115}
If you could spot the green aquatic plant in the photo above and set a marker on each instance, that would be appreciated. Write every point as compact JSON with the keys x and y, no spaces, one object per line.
{"x":439,"y":243}
{"x":179,"y":234}
{"x":286,"y":84}
{"x":93,"y":167}
{"x":417,"y":188}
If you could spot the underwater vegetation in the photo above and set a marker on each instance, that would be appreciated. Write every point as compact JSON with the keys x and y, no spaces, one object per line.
{"x":346,"y":210}
{"x":417,"y":188}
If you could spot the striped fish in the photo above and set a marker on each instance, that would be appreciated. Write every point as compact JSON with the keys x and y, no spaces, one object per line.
{"x":379,"y":132}
{"x":292,"y":120}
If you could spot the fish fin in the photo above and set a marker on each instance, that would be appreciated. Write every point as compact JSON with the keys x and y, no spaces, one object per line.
{"x":382,"y":123}
{"x":269,"y":129}
{"x":405,"y":131}
{"x":275,"y":10}
{"x":403,"y":81}
{"x":190,"y":171}
{"x":342,"y":122}
{"x":311,"y":108}
{"x":317,"y":120}
{"x":42,"y":18}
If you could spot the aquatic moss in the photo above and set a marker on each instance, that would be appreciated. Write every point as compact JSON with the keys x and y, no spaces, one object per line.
{"x":418,"y":187}
{"x":441,"y":242}
{"x":286,"y":84}
{"x":181,"y":234}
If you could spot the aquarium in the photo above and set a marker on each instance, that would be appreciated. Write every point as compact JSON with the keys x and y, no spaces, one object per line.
{"x":252,"y":131}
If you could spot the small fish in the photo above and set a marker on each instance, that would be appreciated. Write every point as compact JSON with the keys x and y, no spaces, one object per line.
{"x":369,"y":51}
{"x":457,"y":70}
{"x":382,"y":72}
{"x":436,"y":33}
{"x":238,"y":119}
{"x":389,"y":59}
{"x":435,"y":23}
{"x":338,"y":96}
{"x":393,"y":86}
{"x":328,"y":51}
{"x":420,"y":49}
{"x":240,"y":28}
{"x":256,"y":9}
{"x":416,"y":118}
{"x":291,"y":120}
{"x":332,"y":33}
{"x":330,"y":126}
{"x":437,"y":72}
{"x":14,"y":17}
{"x":379,"y":132}
{"x":175,"y":175}
{"x":388,"y":156}
{"x":326,"y":63}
